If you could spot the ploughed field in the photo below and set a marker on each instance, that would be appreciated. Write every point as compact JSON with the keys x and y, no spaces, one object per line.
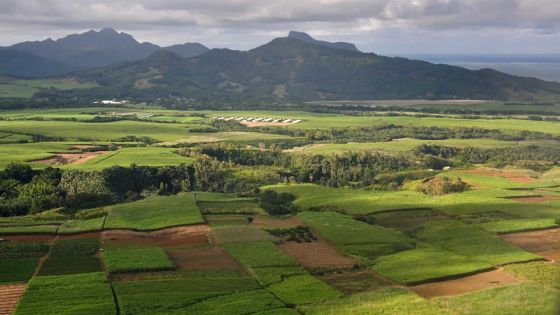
{"x":492,"y":248}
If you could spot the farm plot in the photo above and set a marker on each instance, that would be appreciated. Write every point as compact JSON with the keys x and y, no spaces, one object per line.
{"x":170,"y":237}
{"x":355,"y":237}
{"x":518,"y":225}
{"x":423,"y":264}
{"x":9,"y":296}
{"x":523,"y":298}
{"x":259,"y":254}
{"x":350,"y":282}
{"x":136,"y":259}
{"x":248,"y":302}
{"x":317,"y":254}
{"x":303,"y":289}
{"x":383,"y":301}
{"x":71,"y":256}
{"x":545,"y":273}
{"x":473,"y":242}
{"x":165,"y":296}
{"x":230,"y":234}
{"x":545,"y":243}
{"x":143,"y":156}
{"x":202,"y":257}
{"x":81,"y":226}
{"x":155,"y":213}
{"x":352,"y":201}
{"x":476,"y":282}
{"x":406,"y":220}
{"x":17,"y":270}
{"x":88,"y":293}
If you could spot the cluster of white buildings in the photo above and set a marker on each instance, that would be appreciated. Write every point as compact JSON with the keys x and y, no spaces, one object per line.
{"x":260,"y":119}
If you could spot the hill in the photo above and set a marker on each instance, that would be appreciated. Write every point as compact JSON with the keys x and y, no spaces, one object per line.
{"x":24,"y":64}
{"x":291,"y":69}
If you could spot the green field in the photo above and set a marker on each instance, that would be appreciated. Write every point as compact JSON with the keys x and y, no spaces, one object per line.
{"x":88,"y":293}
{"x":26,"y":88}
{"x":472,"y":242}
{"x":155,"y":213}
{"x":422,"y":264}
{"x":17,"y":270}
{"x":136,"y":259}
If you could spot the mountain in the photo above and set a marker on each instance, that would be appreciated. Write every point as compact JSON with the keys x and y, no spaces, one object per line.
{"x":187,"y":50}
{"x":304,"y":37}
{"x":95,"y":49}
{"x":24,"y":64}
{"x":290,"y":69}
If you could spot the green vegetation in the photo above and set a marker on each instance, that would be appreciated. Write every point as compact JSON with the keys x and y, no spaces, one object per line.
{"x":71,"y":256}
{"x":259,"y":254}
{"x":541,"y":272}
{"x":422,"y":264}
{"x":229,"y":234}
{"x":147,"y":156}
{"x":155,"y":213}
{"x":81,"y":226}
{"x":237,"y":303}
{"x":303,"y":289}
{"x":355,"y":237}
{"x":473,"y":242}
{"x":15,"y":249}
{"x":174,"y":295}
{"x":120,"y":260}
{"x":518,"y":225}
{"x":17,"y":270}
{"x":88,"y":293}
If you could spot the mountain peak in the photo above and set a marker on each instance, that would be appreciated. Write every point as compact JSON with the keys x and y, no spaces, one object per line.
{"x":304,"y":37}
{"x":108,"y":30}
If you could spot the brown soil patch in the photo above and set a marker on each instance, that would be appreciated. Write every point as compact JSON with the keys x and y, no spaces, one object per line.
{"x":273,"y":223}
{"x":552,"y":255}
{"x":262,"y":124}
{"x":177,"y":236}
{"x":78,"y":236}
{"x":317,"y":254}
{"x":350,"y":282}
{"x":9,"y":297}
{"x":545,"y":242}
{"x":484,"y":280}
{"x":84,"y":147}
{"x":515,"y":176}
{"x":70,"y":158}
{"x":202,"y":258}
{"x":533,"y":199}
{"x":28,"y":237}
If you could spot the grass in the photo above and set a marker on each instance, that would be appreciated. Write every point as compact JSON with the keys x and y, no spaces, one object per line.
{"x":75,"y":247}
{"x":303,"y":289}
{"x":269,"y":275}
{"x":138,"y":259}
{"x":520,"y":299}
{"x":401,"y":145}
{"x":88,"y":293}
{"x":419,"y":265}
{"x":81,"y":226}
{"x":26,"y":88}
{"x":230,"y":207}
{"x":237,"y":303}
{"x":174,"y":295}
{"x":29,"y":229}
{"x":385,"y":301}
{"x":259,"y":254}
{"x":231,"y":234}
{"x":15,"y":249}
{"x":356,"y":237}
{"x":542,"y":272}
{"x":17,"y":270}
{"x":518,"y":225}
{"x":155,"y":213}
{"x":142,"y":156}
{"x":66,"y":265}
{"x":473,"y":242}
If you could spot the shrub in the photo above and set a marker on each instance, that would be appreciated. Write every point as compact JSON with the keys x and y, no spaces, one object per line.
{"x":437,"y":186}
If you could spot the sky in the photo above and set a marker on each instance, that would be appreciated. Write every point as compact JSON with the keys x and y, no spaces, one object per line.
{"x":381,"y":26}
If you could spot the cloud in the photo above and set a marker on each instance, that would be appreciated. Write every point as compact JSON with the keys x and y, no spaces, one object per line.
{"x":246,"y":23}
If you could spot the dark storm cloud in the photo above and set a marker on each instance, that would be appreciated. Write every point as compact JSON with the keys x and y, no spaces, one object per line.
{"x":247,"y":23}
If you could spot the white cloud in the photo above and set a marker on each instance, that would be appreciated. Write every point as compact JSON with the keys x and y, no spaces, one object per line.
{"x":247,"y":23}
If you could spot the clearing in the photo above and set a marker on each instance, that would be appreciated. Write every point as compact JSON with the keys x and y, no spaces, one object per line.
{"x":317,"y":254}
{"x":545,"y":243}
